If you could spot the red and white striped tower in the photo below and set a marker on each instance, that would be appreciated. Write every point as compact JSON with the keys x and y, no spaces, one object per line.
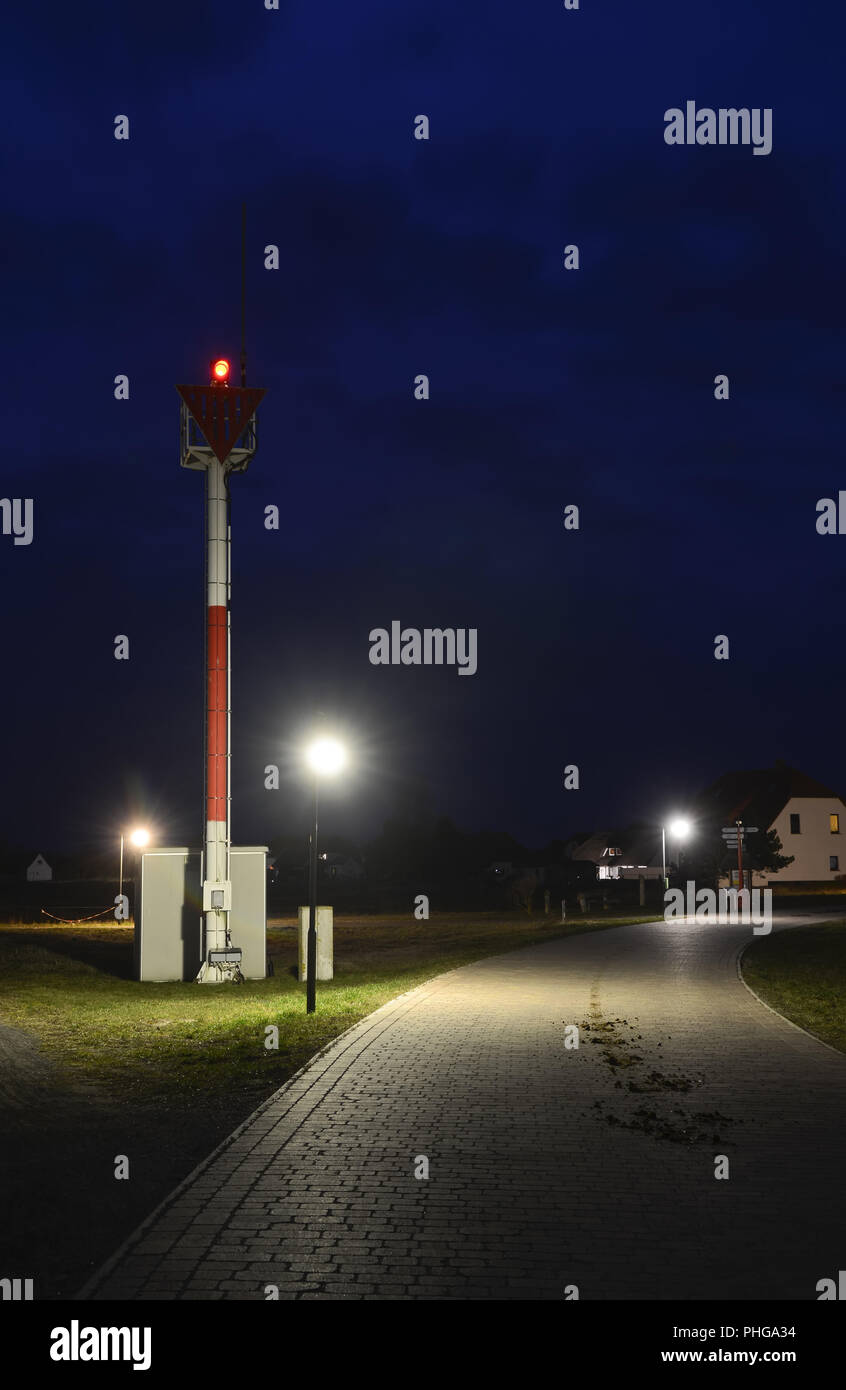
{"x":218,"y":434}
{"x":217,"y":885}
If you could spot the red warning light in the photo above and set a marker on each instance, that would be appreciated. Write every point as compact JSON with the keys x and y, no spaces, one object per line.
{"x":220,"y":371}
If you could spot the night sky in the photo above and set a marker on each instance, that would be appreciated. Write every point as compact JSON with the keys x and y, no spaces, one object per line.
{"x":548,"y":387}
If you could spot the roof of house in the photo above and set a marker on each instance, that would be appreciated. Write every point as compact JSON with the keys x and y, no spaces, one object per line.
{"x":639,"y":844}
{"x":590,"y":847}
{"x":759,"y":794}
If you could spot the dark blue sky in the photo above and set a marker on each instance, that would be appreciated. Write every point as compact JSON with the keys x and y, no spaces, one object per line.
{"x":548,"y":387}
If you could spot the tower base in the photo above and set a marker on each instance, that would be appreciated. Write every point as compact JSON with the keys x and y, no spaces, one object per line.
{"x":219,"y":973}
{"x":169,"y":926}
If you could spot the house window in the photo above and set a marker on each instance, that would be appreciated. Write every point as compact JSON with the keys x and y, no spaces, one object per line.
{"x":834,"y":824}
{"x":794,"y":825}
{"x":833,"y":861}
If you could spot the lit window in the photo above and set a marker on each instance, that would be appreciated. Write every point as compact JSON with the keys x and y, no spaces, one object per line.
{"x":833,"y":861}
{"x":794,"y":825}
{"x":834,"y":824}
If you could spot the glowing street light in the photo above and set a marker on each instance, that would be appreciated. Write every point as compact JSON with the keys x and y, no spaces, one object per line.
{"x":679,"y":829}
{"x":325,"y":756}
{"x":139,"y":838}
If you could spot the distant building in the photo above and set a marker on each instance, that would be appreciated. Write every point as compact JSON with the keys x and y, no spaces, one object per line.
{"x":39,"y":870}
{"x":342,"y":866}
{"x":809,"y":818}
{"x":504,"y":870}
{"x":633,"y":853}
{"x":501,"y":869}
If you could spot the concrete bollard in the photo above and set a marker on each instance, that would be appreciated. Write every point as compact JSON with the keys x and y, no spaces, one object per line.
{"x":325,"y":951}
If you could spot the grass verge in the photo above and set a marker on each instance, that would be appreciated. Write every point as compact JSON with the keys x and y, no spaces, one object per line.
{"x":801,"y":973}
{"x":71,"y":988}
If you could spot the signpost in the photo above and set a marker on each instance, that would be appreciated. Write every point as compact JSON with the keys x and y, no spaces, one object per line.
{"x":734,"y":836}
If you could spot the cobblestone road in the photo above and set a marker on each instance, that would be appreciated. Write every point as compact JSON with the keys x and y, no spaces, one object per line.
{"x":549,"y":1166}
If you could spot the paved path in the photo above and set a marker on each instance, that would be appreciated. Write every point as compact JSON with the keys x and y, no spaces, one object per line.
{"x":548,"y":1166}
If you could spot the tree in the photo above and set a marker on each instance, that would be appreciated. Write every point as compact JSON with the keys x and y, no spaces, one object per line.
{"x":705,"y":858}
{"x":522,"y":889}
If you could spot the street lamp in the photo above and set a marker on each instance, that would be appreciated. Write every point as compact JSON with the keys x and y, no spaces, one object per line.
{"x":680,"y":829}
{"x":325,"y":757}
{"x":139,"y":838}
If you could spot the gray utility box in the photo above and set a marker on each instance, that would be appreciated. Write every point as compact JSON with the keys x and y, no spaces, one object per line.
{"x":169,"y":912}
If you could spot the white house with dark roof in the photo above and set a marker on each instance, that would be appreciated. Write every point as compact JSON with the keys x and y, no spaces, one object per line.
{"x":39,"y":870}
{"x":631,"y":853}
{"x":809,"y":818}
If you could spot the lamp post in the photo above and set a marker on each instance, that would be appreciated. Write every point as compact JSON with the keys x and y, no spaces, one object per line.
{"x":680,"y":829}
{"x":139,"y":838}
{"x":325,"y":756}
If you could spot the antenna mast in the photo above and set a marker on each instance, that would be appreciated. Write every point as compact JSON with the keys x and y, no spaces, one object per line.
{"x":243,"y":292}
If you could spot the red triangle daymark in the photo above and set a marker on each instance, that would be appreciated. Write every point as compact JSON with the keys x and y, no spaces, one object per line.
{"x":222,"y":413}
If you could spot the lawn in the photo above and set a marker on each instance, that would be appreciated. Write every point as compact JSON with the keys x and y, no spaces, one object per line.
{"x":71,"y":988}
{"x":94,"y":1064}
{"x":801,"y":973}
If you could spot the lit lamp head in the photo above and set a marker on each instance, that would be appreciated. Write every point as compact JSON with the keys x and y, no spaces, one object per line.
{"x":325,"y":756}
{"x":680,"y":829}
{"x":139,"y":838}
{"x":220,"y":369}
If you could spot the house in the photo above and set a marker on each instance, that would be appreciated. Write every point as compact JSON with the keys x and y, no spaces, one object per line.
{"x":632,"y":853}
{"x":512,"y":872}
{"x":501,"y":868}
{"x":808,"y":817}
{"x":342,"y":866}
{"x":39,"y":870}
